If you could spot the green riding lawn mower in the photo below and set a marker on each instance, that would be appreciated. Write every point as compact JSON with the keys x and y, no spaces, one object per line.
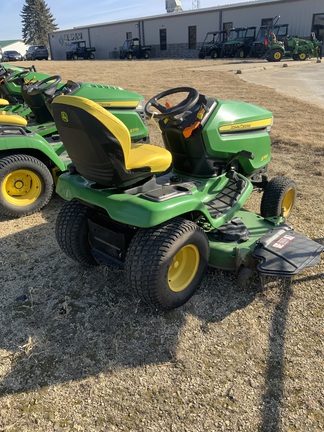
{"x":10,"y":82}
{"x":32,"y":154}
{"x":165,"y":214}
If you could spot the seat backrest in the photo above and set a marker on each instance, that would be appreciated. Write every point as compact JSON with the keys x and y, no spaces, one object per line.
{"x":6,"y":94}
{"x":97,"y":142}
{"x":37,"y":105}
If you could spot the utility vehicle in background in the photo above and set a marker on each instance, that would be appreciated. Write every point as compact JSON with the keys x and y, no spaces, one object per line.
{"x":211,"y":47}
{"x":78,"y":50}
{"x":238,"y":42}
{"x":269,"y":42}
{"x":133,"y":48}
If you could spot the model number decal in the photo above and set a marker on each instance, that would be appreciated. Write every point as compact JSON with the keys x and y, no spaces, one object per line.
{"x":264,"y":157}
{"x":283,"y":241}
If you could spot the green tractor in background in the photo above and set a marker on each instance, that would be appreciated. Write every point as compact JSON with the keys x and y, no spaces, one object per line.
{"x":274,"y":43}
{"x":164,"y":214}
{"x":269,"y":41}
{"x":301,"y":49}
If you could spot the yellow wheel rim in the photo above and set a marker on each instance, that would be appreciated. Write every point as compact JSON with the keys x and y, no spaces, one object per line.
{"x":302,"y":56}
{"x":21,"y":187}
{"x":288,"y":201}
{"x":277,"y":55}
{"x":183,"y":268}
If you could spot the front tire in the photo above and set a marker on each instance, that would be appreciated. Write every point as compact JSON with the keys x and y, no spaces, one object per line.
{"x":72,"y":232}
{"x":165,"y":264}
{"x":302,"y":56}
{"x":279,"y":197}
{"x":26,"y":185}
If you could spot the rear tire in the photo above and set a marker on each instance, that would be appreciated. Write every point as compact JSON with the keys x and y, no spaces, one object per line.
{"x":165,"y":264}
{"x":26,"y":185}
{"x":240,"y":53}
{"x":279,"y":197}
{"x":72,"y":232}
{"x":275,"y":56}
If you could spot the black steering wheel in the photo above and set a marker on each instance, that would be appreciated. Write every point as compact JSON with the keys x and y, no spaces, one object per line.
{"x":47,"y":85}
{"x":16,"y":75}
{"x":172,"y":111}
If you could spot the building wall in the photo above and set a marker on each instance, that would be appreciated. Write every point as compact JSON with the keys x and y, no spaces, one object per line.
{"x":108,"y":38}
{"x":297,"y":13}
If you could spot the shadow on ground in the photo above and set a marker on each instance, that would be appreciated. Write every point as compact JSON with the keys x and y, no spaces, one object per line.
{"x":60,"y":322}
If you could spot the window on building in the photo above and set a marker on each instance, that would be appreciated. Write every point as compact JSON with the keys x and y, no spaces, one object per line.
{"x":129,"y":35}
{"x":266,"y":21}
{"x":163,"y":39}
{"x":227,"y":26}
{"x":192,"y":37}
{"x":318,"y":26}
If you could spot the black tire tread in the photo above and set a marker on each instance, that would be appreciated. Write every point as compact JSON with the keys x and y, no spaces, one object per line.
{"x":71,"y":232}
{"x":272,"y":56}
{"x":47,"y":179}
{"x":273,"y":195}
{"x":147,"y":251}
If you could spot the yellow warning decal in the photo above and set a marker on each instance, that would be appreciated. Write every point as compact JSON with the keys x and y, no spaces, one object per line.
{"x":132,"y":104}
{"x":256,"y":124}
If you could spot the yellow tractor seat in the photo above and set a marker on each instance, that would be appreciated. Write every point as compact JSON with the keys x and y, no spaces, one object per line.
{"x":12,"y":119}
{"x":3,"y":102}
{"x":100,"y":146}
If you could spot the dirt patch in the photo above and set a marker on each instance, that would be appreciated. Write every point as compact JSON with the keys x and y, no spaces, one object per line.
{"x":304,"y":80}
{"x":79,"y":353}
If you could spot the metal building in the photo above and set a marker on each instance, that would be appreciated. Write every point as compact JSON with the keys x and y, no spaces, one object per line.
{"x":179,"y":34}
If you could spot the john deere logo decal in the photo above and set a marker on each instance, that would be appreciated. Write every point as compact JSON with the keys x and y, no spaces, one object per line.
{"x":64,"y":117}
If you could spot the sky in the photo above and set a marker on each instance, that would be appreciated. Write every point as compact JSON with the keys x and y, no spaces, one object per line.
{"x":75,"y":13}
